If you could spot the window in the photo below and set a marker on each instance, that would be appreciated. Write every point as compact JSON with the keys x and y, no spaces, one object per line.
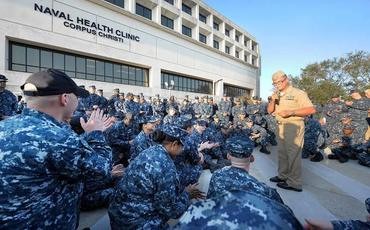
{"x":26,"y":58}
{"x":216,"y":44}
{"x":245,"y":58}
{"x":143,"y":11}
{"x":227,"y":32}
{"x":237,"y":54}
{"x":237,"y":38}
{"x":227,"y":49}
{"x":186,"y":9}
{"x":245,"y":42}
{"x":187,"y":84}
{"x":167,"y":22}
{"x":120,"y":3}
{"x":203,"y":38}
{"x":254,"y":46}
{"x":253,"y":61}
{"x":235,"y":91}
{"x":169,"y":1}
{"x":202,"y":18}
{"x":216,"y":26}
{"x":186,"y":31}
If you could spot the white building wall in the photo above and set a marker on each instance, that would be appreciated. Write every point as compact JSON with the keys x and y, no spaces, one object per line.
{"x":159,"y":48}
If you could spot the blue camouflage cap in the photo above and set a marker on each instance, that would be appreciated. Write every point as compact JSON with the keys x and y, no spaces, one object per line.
{"x":240,"y":147}
{"x":174,"y":131}
{"x":367,"y":204}
{"x":238,"y":210}
{"x":184,"y":121}
{"x":200,"y":122}
{"x":151,"y":119}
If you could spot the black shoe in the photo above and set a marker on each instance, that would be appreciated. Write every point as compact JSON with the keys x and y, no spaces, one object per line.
{"x":332,"y":157}
{"x":276,"y":179}
{"x":264,"y":150}
{"x":342,"y":159}
{"x":273,"y":142}
{"x":317,"y":157}
{"x":284,"y":185}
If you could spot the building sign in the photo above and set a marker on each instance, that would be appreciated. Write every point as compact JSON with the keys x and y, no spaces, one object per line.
{"x":88,"y":26}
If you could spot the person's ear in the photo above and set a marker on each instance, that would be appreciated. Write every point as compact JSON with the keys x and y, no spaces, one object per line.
{"x":228,"y":156}
{"x":63,"y":99}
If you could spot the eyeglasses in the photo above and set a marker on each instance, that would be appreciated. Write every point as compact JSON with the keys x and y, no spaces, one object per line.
{"x":279,"y":82}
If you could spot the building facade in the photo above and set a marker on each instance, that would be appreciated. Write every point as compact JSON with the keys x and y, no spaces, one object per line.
{"x":177,"y":47}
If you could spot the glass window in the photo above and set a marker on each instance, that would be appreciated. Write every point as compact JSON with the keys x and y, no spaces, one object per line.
{"x":169,"y":1}
{"x":237,"y":54}
{"x":58,"y":61}
{"x":120,"y":3}
{"x":167,"y":22}
{"x":237,"y":38}
{"x":216,"y":26}
{"x":216,"y":44}
{"x":202,"y":18}
{"x":125,"y":72}
{"x":70,"y":63}
{"x":46,"y":59}
{"x":203,"y":38}
{"x":143,"y":11}
{"x":227,"y":32}
{"x":80,"y":65}
{"x":33,"y":57}
{"x":186,"y":8}
{"x":186,"y":31}
{"x":99,"y":68}
{"x":235,"y":91}
{"x":19,"y":55}
{"x":187,"y":84}
{"x":227,"y":49}
{"x":108,"y":69}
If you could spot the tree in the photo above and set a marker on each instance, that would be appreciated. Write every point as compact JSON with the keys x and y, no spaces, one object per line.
{"x":335,"y":76}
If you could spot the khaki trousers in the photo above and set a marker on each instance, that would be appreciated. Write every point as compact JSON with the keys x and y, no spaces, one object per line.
{"x":290,"y":144}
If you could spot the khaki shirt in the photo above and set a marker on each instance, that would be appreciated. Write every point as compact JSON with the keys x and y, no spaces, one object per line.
{"x":292,"y":99}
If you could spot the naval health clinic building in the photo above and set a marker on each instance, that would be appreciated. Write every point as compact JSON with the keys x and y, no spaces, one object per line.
{"x":139,"y":46}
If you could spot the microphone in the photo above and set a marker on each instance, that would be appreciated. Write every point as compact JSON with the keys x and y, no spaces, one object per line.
{"x":277,"y":101}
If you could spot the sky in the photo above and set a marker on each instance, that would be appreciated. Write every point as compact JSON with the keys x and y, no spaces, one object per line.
{"x":295,"y":33}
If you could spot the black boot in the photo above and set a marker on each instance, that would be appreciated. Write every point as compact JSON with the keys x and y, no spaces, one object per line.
{"x":264,"y":150}
{"x":317,"y":157}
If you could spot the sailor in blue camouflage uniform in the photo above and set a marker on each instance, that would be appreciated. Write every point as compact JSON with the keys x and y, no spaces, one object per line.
{"x":236,"y":176}
{"x":8,"y":101}
{"x":145,"y":109}
{"x":333,"y":111}
{"x":120,"y":136}
{"x":103,"y":100}
{"x":314,"y":138}
{"x":237,"y":109}
{"x":112,"y":100}
{"x":172,"y":103}
{"x":341,"y":224}
{"x":224,"y":109}
{"x":148,"y":195}
{"x":119,"y":106}
{"x":186,"y":108}
{"x":93,"y":101}
{"x":364,"y":156}
{"x":197,"y":108}
{"x":158,"y":107}
{"x":358,"y":108}
{"x":258,"y":135}
{"x":188,"y":163}
{"x":144,"y":139}
{"x":171,"y":117}
{"x":206,"y":109}
{"x":44,"y":163}
{"x":238,"y":210}
{"x":131,"y":106}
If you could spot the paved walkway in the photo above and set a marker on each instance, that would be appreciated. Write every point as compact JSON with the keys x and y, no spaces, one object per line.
{"x":331,"y":190}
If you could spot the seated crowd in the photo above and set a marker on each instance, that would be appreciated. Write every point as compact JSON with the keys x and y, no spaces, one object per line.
{"x":70,"y":150}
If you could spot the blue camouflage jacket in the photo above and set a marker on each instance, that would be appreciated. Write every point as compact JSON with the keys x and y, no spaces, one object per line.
{"x":231,"y":178}
{"x":42,"y":169}
{"x":148,"y":195}
{"x":8,"y":104}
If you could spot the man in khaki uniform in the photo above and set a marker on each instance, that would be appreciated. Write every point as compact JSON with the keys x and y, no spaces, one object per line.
{"x":290,"y":106}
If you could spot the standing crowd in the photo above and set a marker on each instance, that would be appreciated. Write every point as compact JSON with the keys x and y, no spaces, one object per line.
{"x":64,"y":149}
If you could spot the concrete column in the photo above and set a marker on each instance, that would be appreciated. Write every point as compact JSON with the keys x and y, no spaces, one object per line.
{"x":156,"y":11}
{"x":130,"y":5}
{"x":210,"y":20}
{"x":196,"y":11}
{"x":177,"y":24}
{"x":210,"y":39}
{"x":179,"y":4}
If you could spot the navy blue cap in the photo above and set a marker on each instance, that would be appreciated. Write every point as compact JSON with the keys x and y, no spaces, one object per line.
{"x":238,"y":210}
{"x":51,"y":82}
{"x":239,"y":146}
{"x":174,"y":131}
{"x":367,"y":204}
{"x":152,"y":119}
{"x":3,"y":78}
